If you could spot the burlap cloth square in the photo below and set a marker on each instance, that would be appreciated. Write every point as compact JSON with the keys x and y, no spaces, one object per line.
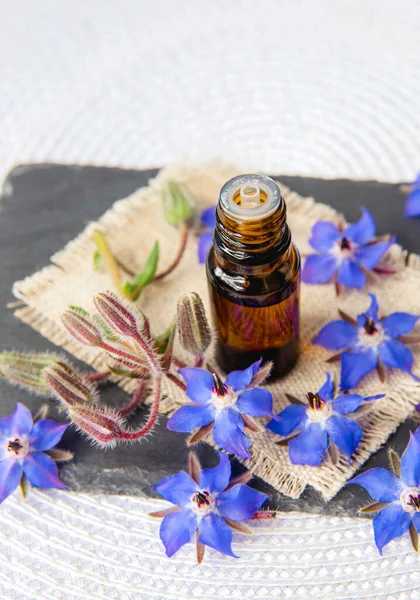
{"x":131,"y":227}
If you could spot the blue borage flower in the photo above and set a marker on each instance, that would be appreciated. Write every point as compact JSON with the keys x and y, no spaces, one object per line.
{"x":226,"y":408}
{"x":397,"y":495}
{"x":22,"y":446}
{"x":207,"y":505}
{"x":205,"y":240}
{"x":345,"y":256}
{"x":412,"y":205}
{"x":320,"y":425}
{"x":369,"y":342}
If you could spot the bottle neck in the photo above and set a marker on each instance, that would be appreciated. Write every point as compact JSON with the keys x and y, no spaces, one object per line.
{"x":252,"y":247}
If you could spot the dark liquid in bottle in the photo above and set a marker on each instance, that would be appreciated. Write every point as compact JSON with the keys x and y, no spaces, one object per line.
{"x":256,"y":315}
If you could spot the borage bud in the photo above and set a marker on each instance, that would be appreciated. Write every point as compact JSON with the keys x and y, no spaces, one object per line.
{"x":81,"y":327}
{"x":116,"y":313}
{"x":68,"y":386}
{"x":193,"y":327}
{"x":26,"y":370}
{"x":101,"y":423}
{"x":177,"y":207}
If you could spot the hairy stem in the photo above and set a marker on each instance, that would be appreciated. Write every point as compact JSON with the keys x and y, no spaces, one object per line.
{"x":178,"y":257}
{"x":135,"y":400}
{"x":148,"y":426}
{"x":176,"y":381}
{"x":97,"y":377}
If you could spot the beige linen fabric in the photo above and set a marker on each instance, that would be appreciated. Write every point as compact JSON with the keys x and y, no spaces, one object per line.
{"x":132,"y":226}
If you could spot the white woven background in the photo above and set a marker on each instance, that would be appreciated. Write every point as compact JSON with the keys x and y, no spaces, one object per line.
{"x":320,"y":88}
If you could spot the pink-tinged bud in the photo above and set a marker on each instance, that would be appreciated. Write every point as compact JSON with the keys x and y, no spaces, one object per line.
{"x":68,"y":386}
{"x":101,"y":423}
{"x":116,"y":313}
{"x":81,"y":328}
{"x":193,"y":327}
{"x":123,"y":356}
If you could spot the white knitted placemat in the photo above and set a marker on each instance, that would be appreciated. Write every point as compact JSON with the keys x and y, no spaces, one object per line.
{"x":333,"y":91}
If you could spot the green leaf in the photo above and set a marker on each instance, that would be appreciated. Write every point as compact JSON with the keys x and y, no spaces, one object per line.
{"x":96,"y":260}
{"x":146,"y":275}
{"x":80,"y":311}
{"x":123,"y":373}
{"x":161,"y":341}
{"x":177,"y":207}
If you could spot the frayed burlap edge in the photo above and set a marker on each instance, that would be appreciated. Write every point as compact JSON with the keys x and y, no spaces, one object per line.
{"x":127,"y":225}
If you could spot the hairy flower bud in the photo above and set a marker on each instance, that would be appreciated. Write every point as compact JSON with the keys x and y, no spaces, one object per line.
{"x":27,"y":370}
{"x":193,"y":327}
{"x":177,"y":207}
{"x":101,"y":423}
{"x":68,"y":386}
{"x":80,"y":326}
{"x":123,"y":320}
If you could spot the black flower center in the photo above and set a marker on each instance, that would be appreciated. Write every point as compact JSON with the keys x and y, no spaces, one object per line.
{"x":370,"y":326}
{"x":315,"y":401}
{"x":201,"y":499}
{"x":345,"y":244}
{"x":414,"y":501}
{"x":219,"y":387}
{"x":14,"y":446}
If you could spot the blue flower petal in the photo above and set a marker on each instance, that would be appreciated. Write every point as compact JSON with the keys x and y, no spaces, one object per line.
{"x":412,"y":205}
{"x":291,"y":418}
{"x":240,"y":503}
{"x":396,"y":355}
{"x":362,"y":231}
{"x":399,"y":323}
{"x":216,"y":480}
{"x":355,"y":365}
{"x":215,"y":533}
{"x":319,"y":268}
{"x":176,"y":529}
{"x":208,"y":217}
{"x":345,"y":433}
{"x":240,"y":380}
{"x":347,"y":403}
{"x":41,"y":471}
{"x":351,"y":275}
{"x":380,"y":484}
{"x":309,"y":447}
{"x":228,"y":433}
{"x":46,"y":434}
{"x":19,"y":423}
{"x":177,"y":488}
{"x":4,"y":453}
{"x":410,"y":462}
{"x":10,"y":474}
{"x":372,"y":311}
{"x":205,"y":241}
{"x":327,"y":390}
{"x":324,"y":234}
{"x":188,"y":418}
{"x":337,"y":335}
{"x":369,"y":256}
{"x":256,"y":402}
{"x":199,"y":384}
{"x":392,"y":522}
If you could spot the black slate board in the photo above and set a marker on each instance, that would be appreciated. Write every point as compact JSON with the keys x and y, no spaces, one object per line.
{"x":45,"y":206}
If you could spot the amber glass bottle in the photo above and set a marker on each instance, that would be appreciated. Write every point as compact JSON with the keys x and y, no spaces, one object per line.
{"x":253,"y":271}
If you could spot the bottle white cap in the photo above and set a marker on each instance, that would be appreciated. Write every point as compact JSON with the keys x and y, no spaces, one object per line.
{"x":241,"y":197}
